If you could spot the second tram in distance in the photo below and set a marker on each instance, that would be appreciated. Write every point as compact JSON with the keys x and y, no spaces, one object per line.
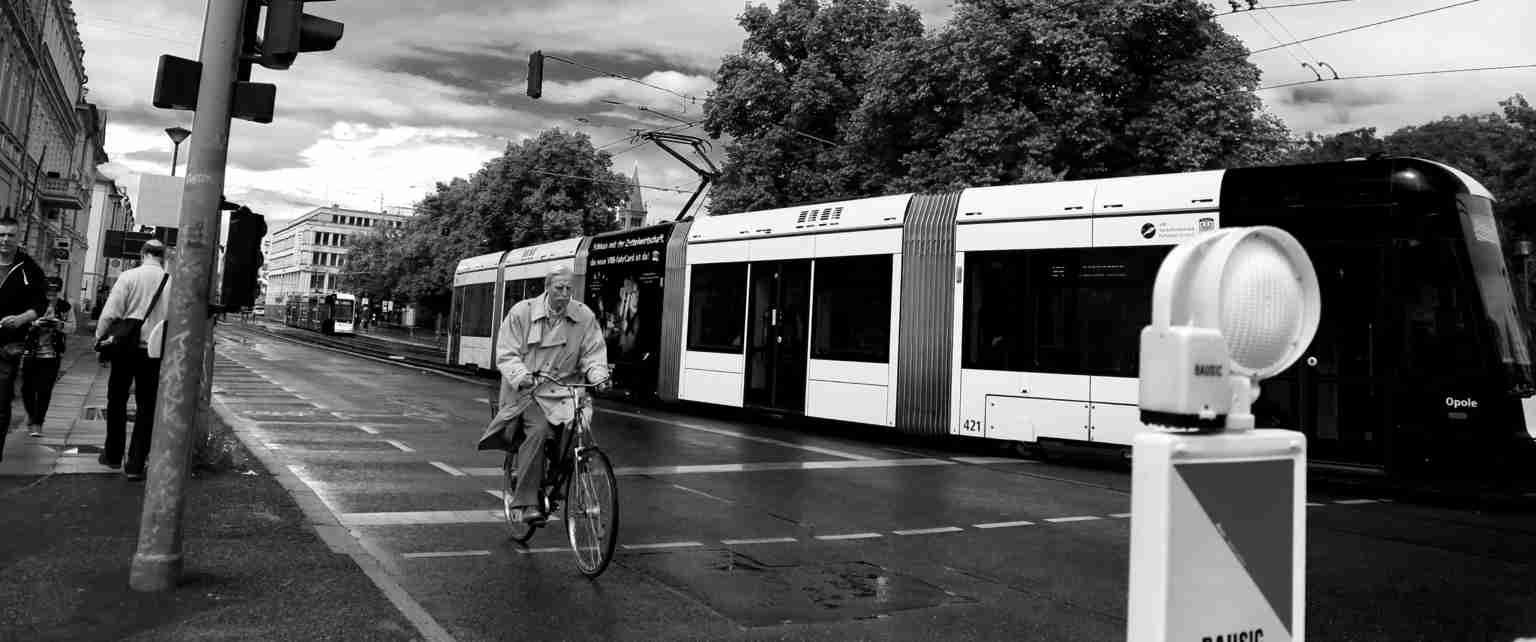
{"x":1014,"y":312}
{"x":323,"y":313}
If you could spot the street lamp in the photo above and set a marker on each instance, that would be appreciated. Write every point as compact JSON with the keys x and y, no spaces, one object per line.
{"x":177,"y":135}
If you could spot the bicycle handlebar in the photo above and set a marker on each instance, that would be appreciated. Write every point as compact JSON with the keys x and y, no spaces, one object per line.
{"x":540,"y":375}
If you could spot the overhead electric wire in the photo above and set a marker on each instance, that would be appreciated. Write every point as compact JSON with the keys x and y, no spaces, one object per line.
{"x":597,"y":180}
{"x":1343,"y":31}
{"x":1396,"y":75}
{"x":693,"y":99}
{"x":1282,"y":6}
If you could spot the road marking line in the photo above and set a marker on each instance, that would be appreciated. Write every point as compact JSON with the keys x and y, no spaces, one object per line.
{"x":661,"y":545}
{"x":1079,"y":518}
{"x":272,"y":446}
{"x":1119,"y":515}
{"x":1354,"y":501}
{"x":929,"y":531}
{"x":1003,"y":524}
{"x":369,"y":429}
{"x":421,"y":517}
{"x":738,"y":435}
{"x":702,"y":493}
{"x":450,"y":469}
{"x":993,"y":460}
{"x":753,"y":467}
{"x":549,"y":549}
{"x":399,"y":445}
{"x":498,"y":494}
{"x":849,"y":536}
{"x":1313,"y":504}
{"x":759,"y":540}
{"x":445,"y":554}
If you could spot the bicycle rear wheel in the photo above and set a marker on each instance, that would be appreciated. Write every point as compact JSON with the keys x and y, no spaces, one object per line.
{"x":592,"y":511}
{"x":520,"y":531}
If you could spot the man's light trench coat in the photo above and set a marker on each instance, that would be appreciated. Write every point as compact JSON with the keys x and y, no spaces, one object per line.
{"x":570,"y":350}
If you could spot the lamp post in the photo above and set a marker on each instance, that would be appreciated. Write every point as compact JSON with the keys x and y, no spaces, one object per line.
{"x":177,"y":135}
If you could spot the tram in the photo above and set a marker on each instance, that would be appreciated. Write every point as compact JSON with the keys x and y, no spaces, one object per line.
{"x":1013,"y":313}
{"x":324,"y":313}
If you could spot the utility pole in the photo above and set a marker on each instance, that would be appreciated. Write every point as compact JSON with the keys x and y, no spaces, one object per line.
{"x":157,"y":565}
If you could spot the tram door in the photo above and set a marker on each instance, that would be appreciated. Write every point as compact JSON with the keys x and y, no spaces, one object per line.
{"x":1334,"y":393}
{"x":778,"y":315}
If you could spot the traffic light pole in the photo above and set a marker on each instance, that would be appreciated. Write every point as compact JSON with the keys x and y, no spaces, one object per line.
{"x":157,"y":565}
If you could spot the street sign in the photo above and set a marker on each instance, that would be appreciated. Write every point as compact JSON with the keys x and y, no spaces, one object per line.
{"x":159,"y":201}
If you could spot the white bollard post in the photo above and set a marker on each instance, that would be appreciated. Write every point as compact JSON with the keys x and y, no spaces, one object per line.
{"x":1218,"y":511}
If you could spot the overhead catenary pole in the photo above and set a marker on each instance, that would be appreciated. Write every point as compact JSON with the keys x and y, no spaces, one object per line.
{"x":158,"y":563}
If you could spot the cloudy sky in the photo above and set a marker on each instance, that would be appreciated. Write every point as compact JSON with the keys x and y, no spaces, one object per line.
{"x":419,"y":92}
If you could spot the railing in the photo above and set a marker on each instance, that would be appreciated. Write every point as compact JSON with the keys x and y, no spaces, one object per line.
{"x":63,"y":189}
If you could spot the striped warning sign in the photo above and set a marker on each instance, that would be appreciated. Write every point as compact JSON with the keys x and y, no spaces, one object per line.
{"x":1217,"y":537}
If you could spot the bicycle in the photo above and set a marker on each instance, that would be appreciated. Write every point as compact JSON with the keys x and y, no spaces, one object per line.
{"x":579,"y":471}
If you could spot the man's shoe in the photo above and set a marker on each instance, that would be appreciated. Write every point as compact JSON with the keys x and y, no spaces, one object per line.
{"x":35,"y":431}
{"x":102,"y":459}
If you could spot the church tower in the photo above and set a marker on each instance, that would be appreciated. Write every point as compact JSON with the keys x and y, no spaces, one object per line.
{"x":633,"y":215}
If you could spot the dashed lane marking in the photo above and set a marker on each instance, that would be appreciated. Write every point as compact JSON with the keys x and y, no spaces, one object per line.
{"x":369,"y":429}
{"x":1313,"y":504}
{"x":548,"y":549}
{"x":702,"y":493}
{"x":446,"y":554}
{"x":634,"y":547}
{"x":930,"y":531}
{"x":450,"y":469}
{"x":1354,"y":501}
{"x":993,"y":460}
{"x":1004,"y":524}
{"x":1119,"y":515}
{"x":1077,"y":518}
{"x":844,"y":536}
{"x":759,"y":540}
{"x":399,"y":445}
{"x":421,"y":517}
{"x":755,"y":467}
{"x":738,"y":435}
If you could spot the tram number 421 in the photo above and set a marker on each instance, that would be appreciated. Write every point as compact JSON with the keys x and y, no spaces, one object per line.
{"x":973,"y":425}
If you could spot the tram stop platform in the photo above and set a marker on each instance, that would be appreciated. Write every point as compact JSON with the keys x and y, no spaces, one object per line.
{"x":255,"y":567}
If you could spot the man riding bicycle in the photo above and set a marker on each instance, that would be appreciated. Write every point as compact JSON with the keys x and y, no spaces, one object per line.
{"x":560,"y":337}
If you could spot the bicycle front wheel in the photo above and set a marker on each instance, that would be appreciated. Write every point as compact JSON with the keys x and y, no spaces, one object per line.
{"x":592,"y":511}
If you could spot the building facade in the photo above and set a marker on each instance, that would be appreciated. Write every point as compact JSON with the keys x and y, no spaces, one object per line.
{"x":309,"y":254}
{"x":110,"y":210}
{"x":51,"y":139}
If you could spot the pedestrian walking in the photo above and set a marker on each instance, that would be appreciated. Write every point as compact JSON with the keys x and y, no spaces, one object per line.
{"x":136,"y":299}
{"x":21,"y":302}
{"x":45,"y":350}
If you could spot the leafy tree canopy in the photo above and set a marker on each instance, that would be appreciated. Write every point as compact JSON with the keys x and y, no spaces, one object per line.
{"x":546,"y":188}
{"x":1005,"y":92}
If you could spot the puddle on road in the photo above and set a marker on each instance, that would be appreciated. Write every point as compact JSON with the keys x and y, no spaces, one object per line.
{"x":753,"y":593}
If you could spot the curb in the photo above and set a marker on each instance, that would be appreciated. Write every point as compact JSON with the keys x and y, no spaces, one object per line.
{"x":374,"y":563}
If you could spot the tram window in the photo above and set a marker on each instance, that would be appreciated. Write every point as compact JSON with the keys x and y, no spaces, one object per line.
{"x":477,"y":309}
{"x":717,"y":300}
{"x":1068,"y":311}
{"x":851,"y":313}
{"x":1441,"y":337}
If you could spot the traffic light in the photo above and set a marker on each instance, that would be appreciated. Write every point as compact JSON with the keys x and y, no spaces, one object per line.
{"x":242,"y":258}
{"x":536,"y":74}
{"x":290,"y":31}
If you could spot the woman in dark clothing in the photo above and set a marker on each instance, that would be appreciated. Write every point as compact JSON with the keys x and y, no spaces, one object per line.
{"x":45,"y":348}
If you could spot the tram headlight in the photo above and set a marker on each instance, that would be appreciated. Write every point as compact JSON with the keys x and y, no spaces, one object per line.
{"x":1230,"y":308}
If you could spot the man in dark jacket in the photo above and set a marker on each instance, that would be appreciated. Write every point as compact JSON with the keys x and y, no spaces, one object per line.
{"x":22,"y":301}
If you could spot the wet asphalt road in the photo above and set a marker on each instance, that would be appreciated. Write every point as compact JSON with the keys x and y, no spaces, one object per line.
{"x":765,"y":530}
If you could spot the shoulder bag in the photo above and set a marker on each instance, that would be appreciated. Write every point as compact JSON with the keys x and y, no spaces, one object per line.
{"x":122,"y":337}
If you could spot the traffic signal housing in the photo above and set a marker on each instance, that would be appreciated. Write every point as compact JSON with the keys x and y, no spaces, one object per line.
{"x":536,"y":74}
{"x":290,"y":31}
{"x":242,"y":258}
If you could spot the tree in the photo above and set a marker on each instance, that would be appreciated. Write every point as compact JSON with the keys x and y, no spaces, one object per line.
{"x":553,"y":186}
{"x":1004,"y":93}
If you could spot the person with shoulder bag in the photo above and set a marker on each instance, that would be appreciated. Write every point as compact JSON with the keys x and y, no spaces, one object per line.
{"x":21,"y":302}
{"x":45,"y":349}
{"x":135,"y":305}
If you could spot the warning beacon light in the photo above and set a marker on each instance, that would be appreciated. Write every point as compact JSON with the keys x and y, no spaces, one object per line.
{"x":1230,"y":308}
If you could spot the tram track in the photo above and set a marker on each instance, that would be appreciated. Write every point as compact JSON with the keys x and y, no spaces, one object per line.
{"x":405,"y":355}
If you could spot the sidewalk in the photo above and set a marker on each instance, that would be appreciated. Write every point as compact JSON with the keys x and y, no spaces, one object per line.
{"x":76,"y":426}
{"x":255,"y":566}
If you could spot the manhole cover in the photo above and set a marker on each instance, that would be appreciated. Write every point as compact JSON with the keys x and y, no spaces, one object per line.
{"x":752,"y":593}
